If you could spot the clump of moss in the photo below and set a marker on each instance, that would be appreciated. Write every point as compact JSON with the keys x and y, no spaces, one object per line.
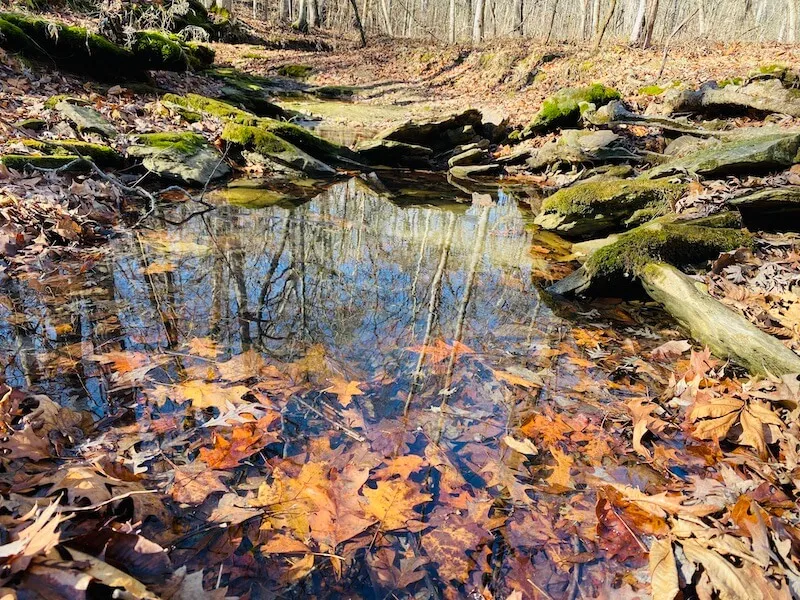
{"x":185,"y":143}
{"x":563,"y":108}
{"x":101,"y":155}
{"x":305,"y":140}
{"x":730,"y":81}
{"x":31,"y":124}
{"x":295,"y":71}
{"x":652,"y":90}
{"x":52,"y":101}
{"x":254,"y":139}
{"x":677,"y":244}
{"x":20,"y":162}
{"x":71,"y":48}
{"x":162,"y":52}
{"x":586,"y":198}
{"x":334,"y":92}
{"x":195,"y":103}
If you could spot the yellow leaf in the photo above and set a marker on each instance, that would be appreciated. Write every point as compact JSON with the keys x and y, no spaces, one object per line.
{"x":560,"y":477}
{"x":392,"y":503}
{"x":663,"y":571}
{"x":344,"y":390}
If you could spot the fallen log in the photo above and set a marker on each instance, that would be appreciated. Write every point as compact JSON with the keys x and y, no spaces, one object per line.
{"x":728,"y":334}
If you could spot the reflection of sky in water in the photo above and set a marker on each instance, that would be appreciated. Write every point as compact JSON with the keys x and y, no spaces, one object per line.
{"x":348,"y":270}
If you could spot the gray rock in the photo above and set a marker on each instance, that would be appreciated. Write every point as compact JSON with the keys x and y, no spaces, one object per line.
{"x":390,"y":153}
{"x":186,"y":158}
{"x":576,"y":147}
{"x":86,"y":119}
{"x":469,"y":157}
{"x":432,"y":133}
{"x":757,"y":150}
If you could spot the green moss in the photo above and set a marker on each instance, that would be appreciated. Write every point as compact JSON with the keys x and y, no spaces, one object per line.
{"x":563,"y":108}
{"x":296,"y":71}
{"x":53,"y":100}
{"x":70,"y":48}
{"x":185,"y":143}
{"x":32,"y":124}
{"x":586,"y":198}
{"x":652,"y":90}
{"x":157,"y":51}
{"x":305,"y":140}
{"x":676,"y":244}
{"x":254,"y":139}
{"x":20,"y":162}
{"x":196,"y":103}
{"x":730,"y":81}
{"x":334,"y":91}
{"x":103,"y":156}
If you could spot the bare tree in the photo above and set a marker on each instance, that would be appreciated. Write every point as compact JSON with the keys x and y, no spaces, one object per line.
{"x":478,"y":23}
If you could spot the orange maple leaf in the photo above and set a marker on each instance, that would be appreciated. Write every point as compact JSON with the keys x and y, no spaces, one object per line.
{"x":245,"y":440}
{"x":344,"y":390}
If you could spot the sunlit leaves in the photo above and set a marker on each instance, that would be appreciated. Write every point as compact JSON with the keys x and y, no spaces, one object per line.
{"x":193,"y":484}
{"x":243,"y":441}
{"x":344,"y":390}
{"x":392,"y":503}
{"x":201,"y":394}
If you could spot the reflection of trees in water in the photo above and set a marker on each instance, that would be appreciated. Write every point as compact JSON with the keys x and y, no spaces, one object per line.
{"x":349,"y":270}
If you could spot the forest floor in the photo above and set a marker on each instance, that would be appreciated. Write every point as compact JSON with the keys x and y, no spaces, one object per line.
{"x":610,"y":459}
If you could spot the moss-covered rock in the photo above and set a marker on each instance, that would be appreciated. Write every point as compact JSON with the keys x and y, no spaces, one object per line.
{"x":183,"y":157}
{"x":86,"y":119}
{"x":593,"y":208}
{"x":751,"y":152}
{"x":21,"y":162}
{"x":269,"y":148}
{"x":576,"y":147}
{"x":31,"y":124}
{"x":614,"y":268}
{"x":249,"y":92}
{"x":192,"y":104}
{"x":161,"y":52}
{"x":433,"y":133}
{"x":295,"y":71}
{"x":334,"y":92}
{"x":563,"y":108}
{"x":389,"y":153}
{"x":102,"y":156}
{"x":71,"y":48}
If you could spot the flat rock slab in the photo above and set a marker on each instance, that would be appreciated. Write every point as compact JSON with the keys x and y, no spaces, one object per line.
{"x":86,"y":119}
{"x":575,"y":147}
{"x":394,"y":154}
{"x":752,"y":152}
{"x":195,"y":165}
{"x":768,"y":96}
{"x":433,"y":133}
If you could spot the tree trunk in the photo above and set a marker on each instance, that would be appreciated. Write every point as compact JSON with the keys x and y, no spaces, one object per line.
{"x":595,"y":16}
{"x":604,"y":25}
{"x":552,"y":20}
{"x":638,"y":23}
{"x":386,"y":18}
{"x":477,"y":26}
{"x":359,"y":24}
{"x":313,"y":13}
{"x":519,"y":17}
{"x":728,"y":334}
{"x":451,"y":22}
{"x":652,"y":13}
{"x":791,"y":17}
{"x":701,"y":15}
{"x":302,"y":17}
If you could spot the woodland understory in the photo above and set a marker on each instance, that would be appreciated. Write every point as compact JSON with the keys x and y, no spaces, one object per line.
{"x":638,"y":436}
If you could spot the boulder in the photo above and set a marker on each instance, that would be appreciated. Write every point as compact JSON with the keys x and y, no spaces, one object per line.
{"x":467,"y":157}
{"x":771,"y":209}
{"x":576,"y":147}
{"x":752,"y":151}
{"x":102,"y":156}
{"x":563,"y":109}
{"x":20,"y":162}
{"x":389,"y":153}
{"x":249,"y":92}
{"x":186,"y":158}
{"x":438,"y":133}
{"x":86,"y":119}
{"x":591,"y":209}
{"x":470,"y":171}
{"x":159,"y":52}
{"x":764,"y":96}
{"x":614,"y":264}
{"x":262,"y":147}
{"x":70,"y":48}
